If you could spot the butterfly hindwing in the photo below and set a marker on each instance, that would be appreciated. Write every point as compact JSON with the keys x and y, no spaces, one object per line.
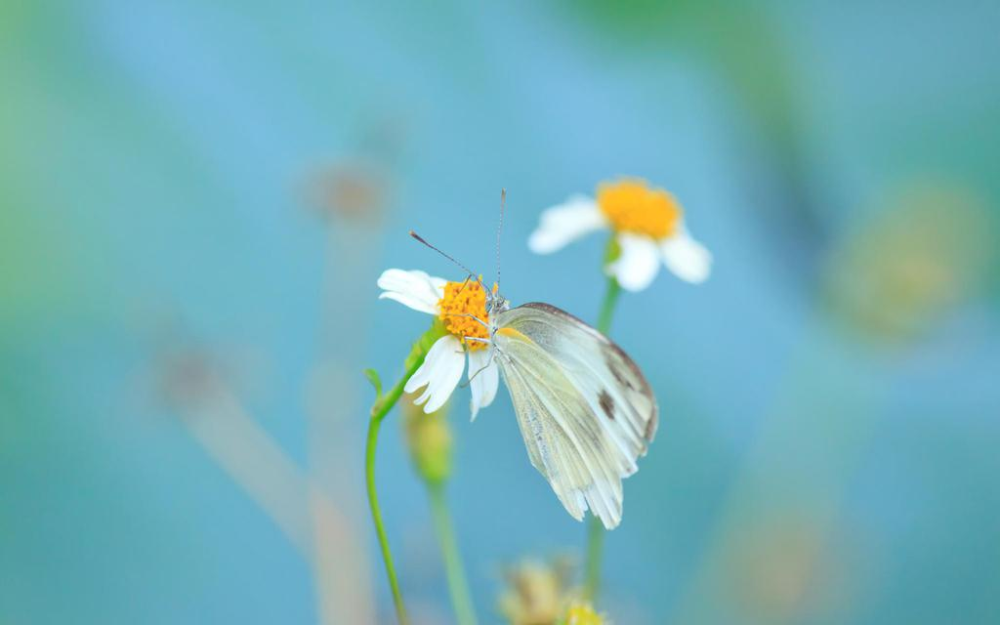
{"x":564,"y":439}
{"x":584,"y":408}
{"x":602,"y":371}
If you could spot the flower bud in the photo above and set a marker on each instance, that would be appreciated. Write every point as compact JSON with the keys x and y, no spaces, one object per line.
{"x":429,"y":440}
{"x":538,"y":592}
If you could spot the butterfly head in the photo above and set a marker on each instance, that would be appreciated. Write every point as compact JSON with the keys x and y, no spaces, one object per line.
{"x":495,"y":302}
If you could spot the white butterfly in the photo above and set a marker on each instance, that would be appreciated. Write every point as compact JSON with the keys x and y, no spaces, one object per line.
{"x":583,"y":406}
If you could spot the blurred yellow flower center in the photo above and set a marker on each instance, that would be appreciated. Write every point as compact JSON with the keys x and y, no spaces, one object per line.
{"x":460,"y":300}
{"x":632,"y":206}
{"x":583,"y":615}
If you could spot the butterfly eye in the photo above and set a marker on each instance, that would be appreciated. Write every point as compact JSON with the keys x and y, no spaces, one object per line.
{"x":498,"y":303}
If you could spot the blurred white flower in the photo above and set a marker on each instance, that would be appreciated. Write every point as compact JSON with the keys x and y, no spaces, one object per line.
{"x":455,"y":304}
{"x":648,"y":224}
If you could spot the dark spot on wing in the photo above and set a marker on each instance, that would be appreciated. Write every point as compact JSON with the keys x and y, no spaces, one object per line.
{"x":619,"y":364}
{"x":607,"y":404}
{"x":615,"y":368}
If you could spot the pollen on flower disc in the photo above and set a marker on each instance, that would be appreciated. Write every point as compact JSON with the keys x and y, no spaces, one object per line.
{"x":632,"y":206}
{"x":462,"y":299}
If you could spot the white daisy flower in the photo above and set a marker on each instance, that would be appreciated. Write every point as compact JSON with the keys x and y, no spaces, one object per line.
{"x":648,"y":223}
{"x":442,"y":369}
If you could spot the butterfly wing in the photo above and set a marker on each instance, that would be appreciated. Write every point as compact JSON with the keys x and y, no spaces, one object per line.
{"x":585,"y":410}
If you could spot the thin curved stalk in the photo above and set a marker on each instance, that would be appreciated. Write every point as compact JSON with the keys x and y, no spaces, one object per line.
{"x":382,"y":406}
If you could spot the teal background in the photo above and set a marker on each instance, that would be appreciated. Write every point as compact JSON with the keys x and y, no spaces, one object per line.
{"x":827,"y":450}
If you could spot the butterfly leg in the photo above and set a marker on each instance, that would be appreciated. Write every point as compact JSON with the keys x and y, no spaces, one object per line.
{"x":486,"y":366}
{"x":477,"y":320}
{"x":489,"y":361}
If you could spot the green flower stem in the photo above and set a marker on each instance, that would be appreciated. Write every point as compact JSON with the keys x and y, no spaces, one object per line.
{"x":383,"y":404}
{"x":595,"y":531}
{"x":608,"y":306}
{"x":458,"y":588}
{"x":595,"y":549}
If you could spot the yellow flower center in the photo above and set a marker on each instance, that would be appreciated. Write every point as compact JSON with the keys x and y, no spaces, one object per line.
{"x":461,"y":302}
{"x":583,"y":615}
{"x":632,"y":206}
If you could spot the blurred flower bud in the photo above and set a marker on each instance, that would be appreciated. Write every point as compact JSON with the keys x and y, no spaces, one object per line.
{"x":187,"y":378}
{"x":429,"y":439}
{"x":791,"y":568}
{"x":924,"y":255}
{"x":538,"y":593}
{"x":354,"y":189}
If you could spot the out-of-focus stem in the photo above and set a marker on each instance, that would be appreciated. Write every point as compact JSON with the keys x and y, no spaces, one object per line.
{"x":608,"y":305}
{"x":238,"y":444}
{"x":458,"y":588}
{"x":595,"y":531}
{"x":595,"y":549}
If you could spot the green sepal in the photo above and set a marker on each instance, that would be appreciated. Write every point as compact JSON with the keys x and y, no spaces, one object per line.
{"x":376,"y":382}
{"x":612,"y":251}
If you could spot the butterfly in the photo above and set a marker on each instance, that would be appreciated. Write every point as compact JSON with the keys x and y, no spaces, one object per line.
{"x":584,"y":408}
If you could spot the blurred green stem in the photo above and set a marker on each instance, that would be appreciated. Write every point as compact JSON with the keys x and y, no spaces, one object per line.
{"x":608,"y":306}
{"x":458,"y":588}
{"x":595,"y":547}
{"x":383,"y":404}
{"x":595,"y":531}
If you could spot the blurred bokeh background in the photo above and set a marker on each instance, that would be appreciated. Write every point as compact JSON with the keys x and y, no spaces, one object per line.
{"x":195,"y":202}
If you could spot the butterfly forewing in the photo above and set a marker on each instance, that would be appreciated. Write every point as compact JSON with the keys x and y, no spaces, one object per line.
{"x":585,"y":410}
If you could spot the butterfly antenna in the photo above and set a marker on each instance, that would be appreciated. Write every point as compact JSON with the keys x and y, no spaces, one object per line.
{"x":503,"y":201}
{"x":424,"y":241}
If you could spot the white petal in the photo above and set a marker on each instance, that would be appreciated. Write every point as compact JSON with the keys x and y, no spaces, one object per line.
{"x":688,"y":259}
{"x":441,"y":371}
{"x":484,"y":381}
{"x":638,"y":264}
{"x":565,"y":223}
{"x":414,"y":289}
